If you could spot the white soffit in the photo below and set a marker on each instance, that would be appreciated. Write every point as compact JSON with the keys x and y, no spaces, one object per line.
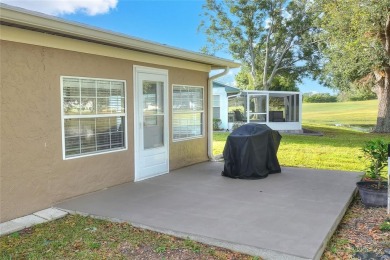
{"x":22,"y":18}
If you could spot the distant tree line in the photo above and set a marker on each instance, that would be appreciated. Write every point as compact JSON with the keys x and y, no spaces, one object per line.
{"x":319,"y":98}
{"x":340,"y":97}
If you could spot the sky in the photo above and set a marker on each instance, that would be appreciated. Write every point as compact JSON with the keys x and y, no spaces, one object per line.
{"x":171,"y":22}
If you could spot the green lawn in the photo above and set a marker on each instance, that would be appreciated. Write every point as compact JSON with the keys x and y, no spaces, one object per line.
{"x":78,"y":237}
{"x":346,"y":113}
{"x":337,"y":149}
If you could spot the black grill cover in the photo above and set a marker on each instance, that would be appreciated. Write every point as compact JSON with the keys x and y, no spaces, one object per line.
{"x":250,"y":152}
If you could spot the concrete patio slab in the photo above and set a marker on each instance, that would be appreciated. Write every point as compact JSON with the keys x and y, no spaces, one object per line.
{"x":290,"y":215}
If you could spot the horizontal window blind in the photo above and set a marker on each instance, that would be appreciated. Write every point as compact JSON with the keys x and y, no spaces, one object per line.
{"x":94,"y":115}
{"x":188,"y":112}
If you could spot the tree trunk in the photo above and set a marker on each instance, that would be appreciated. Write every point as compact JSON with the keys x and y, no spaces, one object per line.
{"x":383,"y":93}
{"x":383,"y":89}
{"x":266,"y":58}
{"x":252,"y":63}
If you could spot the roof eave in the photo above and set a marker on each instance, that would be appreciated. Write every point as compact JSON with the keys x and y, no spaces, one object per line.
{"x":33,"y":20}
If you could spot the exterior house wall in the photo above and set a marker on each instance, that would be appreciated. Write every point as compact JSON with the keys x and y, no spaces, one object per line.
{"x":187,"y":152}
{"x":224,"y":106}
{"x":33,"y":174}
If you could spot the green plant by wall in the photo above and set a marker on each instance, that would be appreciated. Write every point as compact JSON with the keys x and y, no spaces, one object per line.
{"x":375,"y":151}
{"x":217,"y":124}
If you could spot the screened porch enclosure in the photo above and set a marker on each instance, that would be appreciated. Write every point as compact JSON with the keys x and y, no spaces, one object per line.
{"x":279,"y":110}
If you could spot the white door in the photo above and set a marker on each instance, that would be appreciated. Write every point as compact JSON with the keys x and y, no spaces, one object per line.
{"x":151,"y":122}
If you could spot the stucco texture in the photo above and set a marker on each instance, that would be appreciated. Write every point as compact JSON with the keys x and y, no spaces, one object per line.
{"x":33,"y":173}
{"x":184,"y":153}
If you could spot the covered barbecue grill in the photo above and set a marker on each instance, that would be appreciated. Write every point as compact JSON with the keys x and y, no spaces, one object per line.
{"x":250,"y":152}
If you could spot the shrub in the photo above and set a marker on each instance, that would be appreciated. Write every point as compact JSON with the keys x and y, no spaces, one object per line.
{"x":217,"y":124}
{"x":319,"y":98}
{"x":356,"y":95}
{"x":361,"y":97}
{"x":375,"y":151}
{"x":385,"y":226}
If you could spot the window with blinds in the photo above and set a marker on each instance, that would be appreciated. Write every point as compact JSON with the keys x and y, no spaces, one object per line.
{"x":94,"y":116}
{"x":188,"y":112}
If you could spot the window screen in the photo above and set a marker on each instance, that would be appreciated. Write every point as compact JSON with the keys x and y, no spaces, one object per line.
{"x":188,"y":112}
{"x":93,"y":116}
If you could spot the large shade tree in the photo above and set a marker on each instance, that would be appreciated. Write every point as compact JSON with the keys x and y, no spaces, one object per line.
{"x":286,"y":81}
{"x":356,"y":49}
{"x":272,"y":38}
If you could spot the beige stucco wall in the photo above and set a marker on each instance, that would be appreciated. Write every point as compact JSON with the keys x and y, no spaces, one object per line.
{"x":188,"y":152}
{"x":33,"y":175}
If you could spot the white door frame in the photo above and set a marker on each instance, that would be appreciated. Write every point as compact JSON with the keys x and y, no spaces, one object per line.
{"x":266,"y":113}
{"x":138,"y":122}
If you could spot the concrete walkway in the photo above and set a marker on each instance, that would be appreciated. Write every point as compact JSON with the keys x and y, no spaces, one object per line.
{"x":290,"y":215}
{"x":38,"y":217}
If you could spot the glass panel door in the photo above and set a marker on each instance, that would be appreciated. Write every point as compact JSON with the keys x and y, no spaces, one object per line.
{"x":151,"y":123}
{"x":153,"y":114}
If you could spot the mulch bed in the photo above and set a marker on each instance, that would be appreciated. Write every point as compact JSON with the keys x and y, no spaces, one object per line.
{"x":359,"y":231}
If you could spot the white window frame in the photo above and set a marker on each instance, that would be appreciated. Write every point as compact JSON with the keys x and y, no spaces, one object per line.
{"x":202,"y":113}
{"x":63,"y":117}
{"x":219,"y":103}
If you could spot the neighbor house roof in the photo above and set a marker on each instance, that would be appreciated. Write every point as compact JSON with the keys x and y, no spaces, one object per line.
{"x":25,"y":19}
{"x":228,"y":89}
